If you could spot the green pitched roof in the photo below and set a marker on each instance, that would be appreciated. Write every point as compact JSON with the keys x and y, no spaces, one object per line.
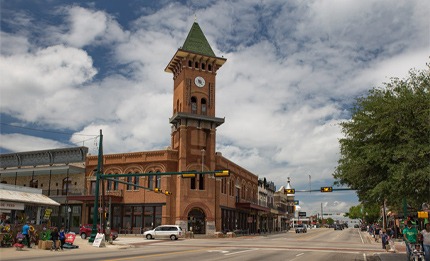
{"x":196,"y":42}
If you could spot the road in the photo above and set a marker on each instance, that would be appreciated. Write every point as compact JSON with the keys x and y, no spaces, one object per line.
{"x":316,"y":244}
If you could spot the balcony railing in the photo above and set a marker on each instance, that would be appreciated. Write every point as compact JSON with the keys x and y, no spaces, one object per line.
{"x":62,"y":192}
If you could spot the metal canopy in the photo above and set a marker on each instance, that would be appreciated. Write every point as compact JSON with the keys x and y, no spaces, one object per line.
{"x":53,"y":170}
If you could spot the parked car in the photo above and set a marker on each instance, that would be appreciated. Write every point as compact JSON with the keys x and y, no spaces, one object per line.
{"x":338,"y":227}
{"x":164,"y":231}
{"x":301,"y":229}
{"x":85,"y":231}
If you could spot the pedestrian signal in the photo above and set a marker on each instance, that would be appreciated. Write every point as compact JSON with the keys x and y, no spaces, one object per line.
{"x":326,"y":189}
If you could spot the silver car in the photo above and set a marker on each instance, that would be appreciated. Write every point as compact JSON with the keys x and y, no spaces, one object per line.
{"x":164,"y":231}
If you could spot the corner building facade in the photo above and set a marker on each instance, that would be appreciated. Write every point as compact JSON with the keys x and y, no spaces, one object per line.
{"x":203,"y":204}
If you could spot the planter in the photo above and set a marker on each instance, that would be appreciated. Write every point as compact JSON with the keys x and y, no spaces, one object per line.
{"x":45,"y":244}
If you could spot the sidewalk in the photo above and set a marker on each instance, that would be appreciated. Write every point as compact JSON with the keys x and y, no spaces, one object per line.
{"x":122,"y":242}
{"x":400,"y":247}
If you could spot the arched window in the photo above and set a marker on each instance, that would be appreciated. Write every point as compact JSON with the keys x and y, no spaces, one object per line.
{"x":203,"y":66}
{"x":150,"y":181}
{"x":204,"y":108}
{"x":34,"y":183}
{"x":158,"y":180}
{"x":190,"y":64}
{"x":201,"y":181}
{"x":67,"y":185}
{"x":115,"y":184}
{"x":196,"y":65}
{"x":129,"y":180}
{"x":193,"y":105}
{"x":209,"y":67}
{"x":136,"y":182}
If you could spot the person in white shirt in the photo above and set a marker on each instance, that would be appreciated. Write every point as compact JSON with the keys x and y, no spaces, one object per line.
{"x":426,"y":241}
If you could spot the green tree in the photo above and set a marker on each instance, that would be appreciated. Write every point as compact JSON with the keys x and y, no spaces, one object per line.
{"x":385,"y":152}
{"x":330,"y":221}
{"x":368,"y":214}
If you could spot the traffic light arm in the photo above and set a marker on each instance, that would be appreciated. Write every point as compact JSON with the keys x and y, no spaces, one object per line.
{"x":128,"y":183}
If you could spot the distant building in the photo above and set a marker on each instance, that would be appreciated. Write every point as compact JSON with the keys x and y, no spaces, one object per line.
{"x":54,"y":174}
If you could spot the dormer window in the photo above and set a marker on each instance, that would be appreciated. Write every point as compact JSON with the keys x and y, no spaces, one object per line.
{"x":196,"y":65}
{"x":209,"y":67}
{"x":190,"y":64}
{"x":203,"y":66}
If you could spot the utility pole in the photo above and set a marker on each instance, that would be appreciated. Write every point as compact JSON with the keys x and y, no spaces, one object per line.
{"x":94,"y":230}
{"x":322,"y":214}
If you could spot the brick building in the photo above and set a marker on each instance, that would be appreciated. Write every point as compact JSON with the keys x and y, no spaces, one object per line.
{"x":202,"y":204}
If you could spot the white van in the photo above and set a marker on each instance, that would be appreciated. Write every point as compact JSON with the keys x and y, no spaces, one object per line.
{"x":164,"y":231}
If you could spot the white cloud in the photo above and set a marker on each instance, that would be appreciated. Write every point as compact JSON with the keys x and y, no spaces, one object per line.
{"x":88,"y":27}
{"x":18,"y":143}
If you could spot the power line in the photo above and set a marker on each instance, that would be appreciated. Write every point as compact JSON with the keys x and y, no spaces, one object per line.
{"x":49,"y":131}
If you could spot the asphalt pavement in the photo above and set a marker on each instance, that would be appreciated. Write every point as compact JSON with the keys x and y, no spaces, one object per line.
{"x":129,"y":241}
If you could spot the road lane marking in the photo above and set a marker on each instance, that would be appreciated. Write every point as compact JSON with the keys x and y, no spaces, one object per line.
{"x":301,"y":254}
{"x":155,"y":255}
{"x":243,"y":251}
{"x":222,"y":251}
{"x":362,"y":241}
{"x":364,"y":256}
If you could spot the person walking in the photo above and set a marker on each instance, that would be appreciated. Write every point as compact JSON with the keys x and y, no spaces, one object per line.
{"x":410,"y":235}
{"x":26,"y":232}
{"x":62,"y":237}
{"x":384,"y":239}
{"x":54,"y":238}
{"x":426,"y":241}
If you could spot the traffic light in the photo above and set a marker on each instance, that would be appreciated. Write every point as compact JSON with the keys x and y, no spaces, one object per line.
{"x":222,"y":173}
{"x":167,"y":193}
{"x":326,"y":189}
{"x":188,"y":175}
{"x":289,"y":191}
{"x":157,"y":190}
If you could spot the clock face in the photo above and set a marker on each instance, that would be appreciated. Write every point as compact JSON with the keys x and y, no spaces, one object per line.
{"x":199,"y":81}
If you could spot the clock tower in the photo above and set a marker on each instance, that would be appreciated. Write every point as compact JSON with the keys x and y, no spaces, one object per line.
{"x":194,"y":124}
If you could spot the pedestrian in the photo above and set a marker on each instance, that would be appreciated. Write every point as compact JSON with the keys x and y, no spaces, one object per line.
{"x":62,"y":237}
{"x":377,"y":231}
{"x":26,"y":233}
{"x":54,"y":238}
{"x":426,"y":240}
{"x":410,"y":235}
{"x":384,"y":239}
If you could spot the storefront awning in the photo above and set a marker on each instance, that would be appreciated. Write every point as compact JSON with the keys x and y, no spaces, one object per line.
{"x":12,"y":196}
{"x":249,"y":205}
{"x":91,"y":198}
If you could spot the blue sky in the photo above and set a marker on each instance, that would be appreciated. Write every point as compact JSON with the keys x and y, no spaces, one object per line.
{"x":294,"y":68}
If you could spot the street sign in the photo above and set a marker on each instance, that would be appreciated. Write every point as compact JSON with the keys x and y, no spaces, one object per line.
{"x":296,"y":202}
{"x":302,"y":214}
